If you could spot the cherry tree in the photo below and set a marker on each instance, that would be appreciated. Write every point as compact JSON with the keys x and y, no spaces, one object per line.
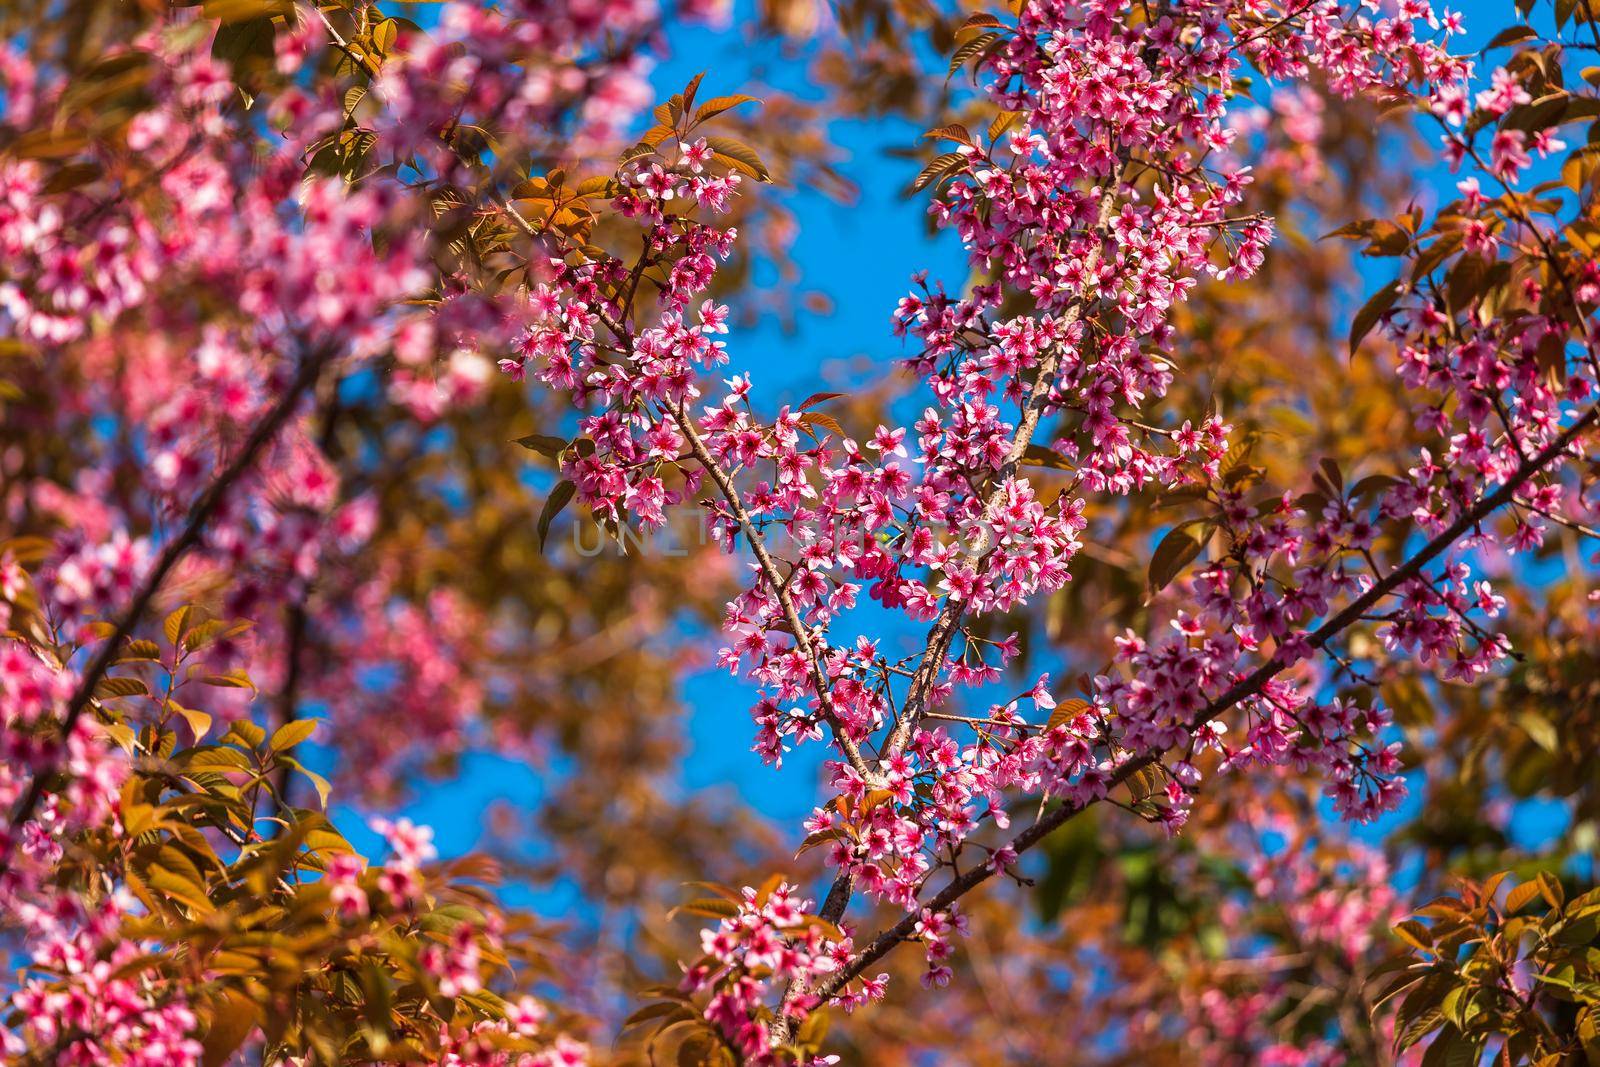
{"x":251,"y":245}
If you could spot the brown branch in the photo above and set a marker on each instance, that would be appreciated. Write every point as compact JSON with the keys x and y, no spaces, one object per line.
{"x":298,"y":619}
{"x":769,"y":570}
{"x":289,"y":696}
{"x":1244,"y":689}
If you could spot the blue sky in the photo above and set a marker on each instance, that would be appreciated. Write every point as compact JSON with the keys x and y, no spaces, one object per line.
{"x":862,"y":256}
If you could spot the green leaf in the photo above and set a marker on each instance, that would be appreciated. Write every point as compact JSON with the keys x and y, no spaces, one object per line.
{"x":1511,"y":35}
{"x":175,"y":624}
{"x":112,"y":688}
{"x":71,"y":176}
{"x":1041,"y":456}
{"x":246,"y":732}
{"x":318,"y":781}
{"x":739,"y":156}
{"x":1579,"y":932}
{"x":1175,"y":552}
{"x":292,"y":733}
{"x":384,"y":35}
{"x":1519,"y":897}
{"x":938,"y":169}
{"x":1414,"y":934}
{"x":718,"y":104}
{"x":239,"y":10}
{"x":1382,"y":994}
{"x":1418,"y":1028}
{"x":955,"y":131}
{"x":818,"y":839}
{"x":202,"y":634}
{"x":659,"y":1010}
{"x":232,"y":1017}
{"x":1550,"y":886}
{"x":199,"y":722}
{"x":1330,"y":471}
{"x":1539,"y":728}
{"x":980,"y":20}
{"x":1144,"y":782}
{"x":641,"y":150}
{"x":685,"y":100}
{"x":1373,"y":310}
{"x":1243,"y":477}
{"x":1002,"y":122}
{"x":233,"y":679}
{"x":1383,"y":236}
{"x":1184,"y":494}
{"x":1067,"y":710}
{"x":123,"y":735}
{"x":727,"y":893}
{"x":554,"y":504}
{"x":706,"y":908}
{"x":1450,"y":1049}
{"x":1439,"y":249}
{"x":1373,"y":485}
{"x":543,"y":443}
{"x":827,"y":422}
{"x":1542,"y":113}
{"x":246,"y":43}
{"x":216,"y":759}
{"x":27,"y":551}
{"x":817,"y":398}
{"x":966,"y":52}
{"x":320,"y":784}
{"x":139,"y":650}
{"x":178,"y":878}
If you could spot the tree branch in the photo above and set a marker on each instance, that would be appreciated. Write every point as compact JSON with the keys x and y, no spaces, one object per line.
{"x":944,"y":628}
{"x":1241,"y":690}
{"x":780,"y":588}
{"x":289,"y":695}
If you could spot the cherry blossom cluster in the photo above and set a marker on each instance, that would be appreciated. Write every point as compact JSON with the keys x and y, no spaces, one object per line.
{"x":770,"y":942}
{"x":307,"y":282}
{"x":33,"y":695}
{"x":485,"y":1044}
{"x":1115,"y":188}
{"x":178,"y":316}
{"x":101,"y":1006}
{"x":1114,"y":181}
{"x":455,"y":965}
{"x":187,"y":391}
{"x":1497,"y":392}
{"x":482,"y":1046}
